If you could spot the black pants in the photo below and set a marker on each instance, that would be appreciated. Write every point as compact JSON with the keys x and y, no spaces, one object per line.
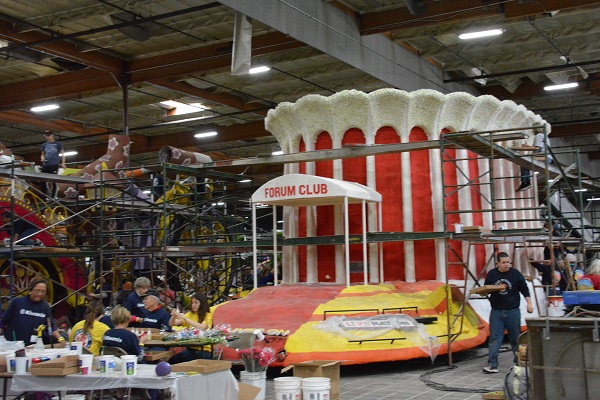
{"x":50,"y":188}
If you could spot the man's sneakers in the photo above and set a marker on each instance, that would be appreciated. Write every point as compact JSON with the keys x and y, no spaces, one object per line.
{"x":524,"y":186}
{"x":488,"y":369}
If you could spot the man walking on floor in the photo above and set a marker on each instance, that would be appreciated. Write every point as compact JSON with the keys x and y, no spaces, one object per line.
{"x":505,"y":312}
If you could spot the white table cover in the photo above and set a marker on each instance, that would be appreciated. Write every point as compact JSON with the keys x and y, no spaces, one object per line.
{"x":220,"y":385}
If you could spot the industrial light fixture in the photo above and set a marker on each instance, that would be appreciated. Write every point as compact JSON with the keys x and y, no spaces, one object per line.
{"x":70,"y":153}
{"x":259,"y":70}
{"x":562,"y":86}
{"x":580,"y":190}
{"x":46,"y":107}
{"x":594,"y":199}
{"x":178,"y":108}
{"x":245,"y":181}
{"x":277,"y":153}
{"x":480,"y":34}
{"x":206,"y":134}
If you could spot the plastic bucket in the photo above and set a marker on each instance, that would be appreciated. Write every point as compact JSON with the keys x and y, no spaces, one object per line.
{"x":458,"y":228}
{"x":316,"y":388}
{"x":86,"y":361}
{"x":288,"y":388}
{"x":11,"y":364}
{"x":256,"y":379}
{"x":129,"y":367}
{"x":21,"y":365}
{"x":107,"y":364}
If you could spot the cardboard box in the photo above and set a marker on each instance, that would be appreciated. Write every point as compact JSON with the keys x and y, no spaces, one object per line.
{"x":499,"y":395}
{"x":322,"y":368}
{"x":63,"y":362}
{"x":3,"y":367}
{"x":155,"y":355}
{"x":202,"y":366}
{"x":485,"y":289}
{"x":53,"y":371}
{"x":247,"y":392}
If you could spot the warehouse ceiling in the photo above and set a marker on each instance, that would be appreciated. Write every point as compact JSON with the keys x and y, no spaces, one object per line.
{"x":109,"y":64}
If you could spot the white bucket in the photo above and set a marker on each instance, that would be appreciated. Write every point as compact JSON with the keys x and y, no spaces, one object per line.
{"x":129,"y":367}
{"x":288,"y":388}
{"x":11,"y":364}
{"x":458,"y":228}
{"x":107,"y":364}
{"x":69,"y":396}
{"x":21,"y":365}
{"x":556,"y":306}
{"x":316,"y":388}
{"x":86,"y":361}
{"x":256,"y":379}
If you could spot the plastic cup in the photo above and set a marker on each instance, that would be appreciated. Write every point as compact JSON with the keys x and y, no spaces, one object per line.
{"x":78,"y":347}
{"x":129,"y":366}
{"x":85,"y":362}
{"x":21,"y":365}
{"x":11,"y":364}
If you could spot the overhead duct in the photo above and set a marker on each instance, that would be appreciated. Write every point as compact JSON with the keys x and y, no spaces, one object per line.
{"x":416,"y":7}
{"x":68,"y":65}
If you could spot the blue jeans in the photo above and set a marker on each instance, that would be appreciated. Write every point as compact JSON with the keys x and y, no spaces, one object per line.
{"x":499,"y":321}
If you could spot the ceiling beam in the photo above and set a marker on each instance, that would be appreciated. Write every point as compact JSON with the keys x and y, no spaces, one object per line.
{"x":401,"y":18}
{"x":94,"y":59}
{"x":456,"y":11}
{"x":575,"y":129}
{"x":57,"y":125}
{"x":226,"y":99}
{"x":174,"y":65}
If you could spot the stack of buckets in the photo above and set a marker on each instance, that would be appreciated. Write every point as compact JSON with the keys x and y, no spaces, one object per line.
{"x":293,"y":387}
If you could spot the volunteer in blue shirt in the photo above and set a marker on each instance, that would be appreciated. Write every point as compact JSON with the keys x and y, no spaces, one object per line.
{"x":25,"y":314}
{"x":156,"y":316}
{"x":52,"y":153}
{"x":505,"y":312}
{"x":134,"y":302}
{"x":119,"y":336}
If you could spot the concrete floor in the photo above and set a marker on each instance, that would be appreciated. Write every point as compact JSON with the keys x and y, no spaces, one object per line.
{"x":405,"y":379}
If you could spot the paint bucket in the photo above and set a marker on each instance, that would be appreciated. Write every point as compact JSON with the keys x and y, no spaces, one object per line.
{"x":11,"y":364}
{"x":288,"y":388}
{"x":21,"y":365}
{"x":256,"y":379}
{"x":107,"y":364}
{"x":458,"y":228}
{"x":129,"y":367}
{"x":556,"y":306}
{"x":86,"y":361}
{"x":316,"y":388}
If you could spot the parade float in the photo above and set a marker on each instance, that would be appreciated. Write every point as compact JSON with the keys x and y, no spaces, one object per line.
{"x":367,"y":283}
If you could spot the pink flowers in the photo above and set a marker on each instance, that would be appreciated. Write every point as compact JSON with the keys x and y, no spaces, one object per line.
{"x":256,"y":359}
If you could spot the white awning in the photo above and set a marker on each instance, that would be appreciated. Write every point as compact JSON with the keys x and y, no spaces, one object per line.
{"x":309,"y":190}
{"x":299,"y":190}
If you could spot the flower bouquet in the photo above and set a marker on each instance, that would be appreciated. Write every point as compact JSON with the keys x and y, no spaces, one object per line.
{"x":256,"y":359}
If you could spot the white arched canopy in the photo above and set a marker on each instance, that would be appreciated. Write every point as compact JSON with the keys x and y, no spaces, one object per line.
{"x":297,"y":190}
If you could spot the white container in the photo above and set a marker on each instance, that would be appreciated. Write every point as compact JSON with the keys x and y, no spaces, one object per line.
{"x":458,"y":228}
{"x":316,"y":388}
{"x":21,"y":365}
{"x":107,"y":364}
{"x":129,"y":366}
{"x":86,"y":361}
{"x":256,"y":379}
{"x":78,"y":347}
{"x":11,"y":364}
{"x":288,"y":388}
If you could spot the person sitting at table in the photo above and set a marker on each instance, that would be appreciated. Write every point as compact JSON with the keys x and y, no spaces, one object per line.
{"x":25,"y":314}
{"x":120,"y":337}
{"x":90,"y":331}
{"x":199,"y":317}
{"x":156,"y":316}
{"x":126,"y":340}
{"x":134,"y":302}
